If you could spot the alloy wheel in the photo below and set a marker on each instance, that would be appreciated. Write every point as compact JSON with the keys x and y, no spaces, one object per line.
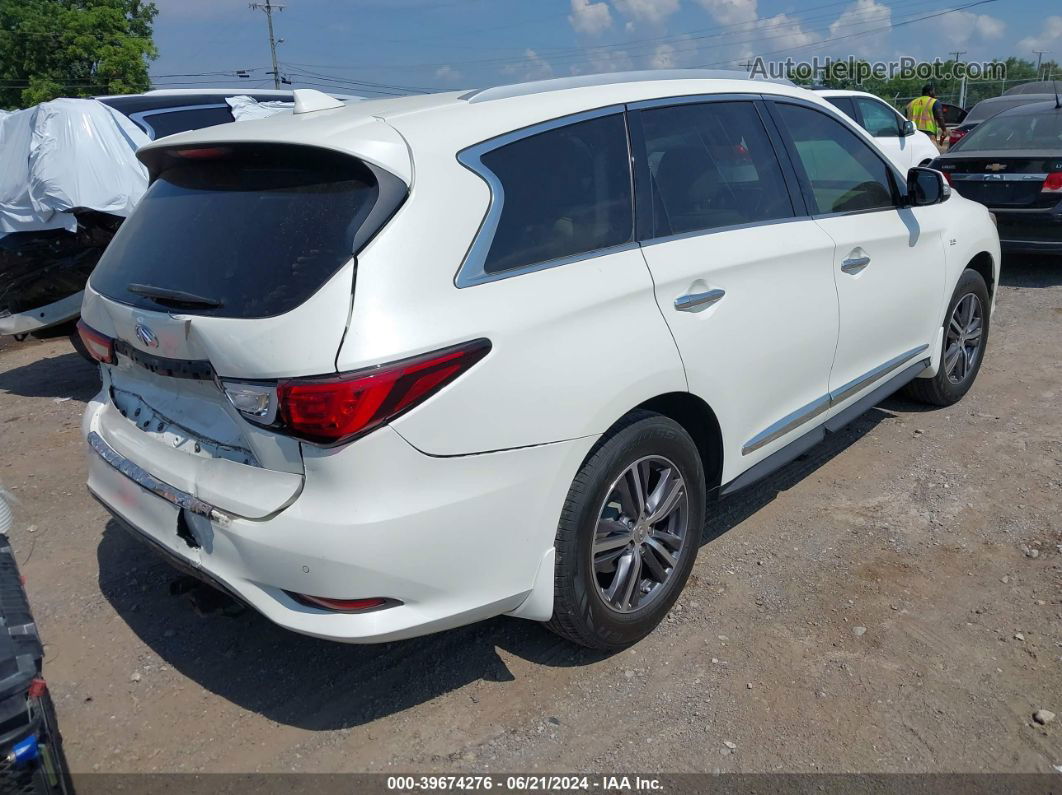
{"x":641,"y":533}
{"x":962,"y":348}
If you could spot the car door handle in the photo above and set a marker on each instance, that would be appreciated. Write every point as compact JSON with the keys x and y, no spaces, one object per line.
{"x":684,"y":303}
{"x":854,"y":264}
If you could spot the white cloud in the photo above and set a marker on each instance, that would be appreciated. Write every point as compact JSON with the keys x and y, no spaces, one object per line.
{"x":447,"y":74}
{"x":1050,"y":34}
{"x":961,"y":27}
{"x":752,"y":34}
{"x":534,"y":67}
{"x":859,"y":18}
{"x":653,"y":12}
{"x":589,"y":17}
{"x":604,"y":61}
{"x":731,"y":12}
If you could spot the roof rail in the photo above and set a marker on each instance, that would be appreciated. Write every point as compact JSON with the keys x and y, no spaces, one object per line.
{"x":607,"y":79}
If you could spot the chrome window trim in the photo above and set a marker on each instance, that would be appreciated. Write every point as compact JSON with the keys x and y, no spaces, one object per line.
{"x":691,"y":99}
{"x":144,"y":479}
{"x":472,"y":272}
{"x":652,"y":241}
{"x":141,"y":117}
{"x":831,"y":399}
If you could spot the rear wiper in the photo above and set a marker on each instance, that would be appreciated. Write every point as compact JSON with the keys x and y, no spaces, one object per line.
{"x":164,"y":295}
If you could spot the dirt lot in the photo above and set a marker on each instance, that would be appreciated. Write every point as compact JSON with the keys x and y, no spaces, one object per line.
{"x":891,"y":603}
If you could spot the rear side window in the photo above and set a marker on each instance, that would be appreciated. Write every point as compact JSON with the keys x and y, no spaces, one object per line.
{"x":564,"y":192}
{"x":842,"y":172}
{"x":175,"y":121}
{"x":879,"y":119}
{"x":254,"y":231}
{"x":711,"y":165}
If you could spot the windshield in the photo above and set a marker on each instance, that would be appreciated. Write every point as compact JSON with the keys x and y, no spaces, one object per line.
{"x":253,"y":231}
{"x":1018,"y":131}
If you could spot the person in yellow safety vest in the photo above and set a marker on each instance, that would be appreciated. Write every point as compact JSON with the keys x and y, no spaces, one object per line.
{"x":927,"y":114}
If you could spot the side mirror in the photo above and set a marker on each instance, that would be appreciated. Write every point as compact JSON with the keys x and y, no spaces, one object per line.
{"x":926,"y":186}
{"x":908,"y":128}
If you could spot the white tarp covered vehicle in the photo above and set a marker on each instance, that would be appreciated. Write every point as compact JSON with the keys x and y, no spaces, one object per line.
{"x":68,"y":176}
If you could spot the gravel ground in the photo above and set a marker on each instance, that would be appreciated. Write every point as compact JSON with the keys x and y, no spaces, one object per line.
{"x":890,"y":603}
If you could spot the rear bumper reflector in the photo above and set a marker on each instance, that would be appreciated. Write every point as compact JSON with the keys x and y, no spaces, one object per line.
{"x":145,"y":479}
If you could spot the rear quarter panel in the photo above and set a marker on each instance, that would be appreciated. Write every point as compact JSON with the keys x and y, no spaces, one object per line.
{"x":574,"y":347}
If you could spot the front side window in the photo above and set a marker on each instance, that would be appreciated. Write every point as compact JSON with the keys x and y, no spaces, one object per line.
{"x":564,"y":192}
{"x":879,"y":119}
{"x":841,"y":171}
{"x":711,"y":165}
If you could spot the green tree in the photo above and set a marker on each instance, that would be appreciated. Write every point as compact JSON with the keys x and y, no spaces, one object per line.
{"x":73,"y":48}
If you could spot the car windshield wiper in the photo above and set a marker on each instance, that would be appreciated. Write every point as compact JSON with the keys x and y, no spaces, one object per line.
{"x":164,"y":295}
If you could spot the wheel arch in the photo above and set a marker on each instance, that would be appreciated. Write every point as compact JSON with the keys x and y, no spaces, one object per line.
{"x":700,"y":422}
{"x":982,"y":263}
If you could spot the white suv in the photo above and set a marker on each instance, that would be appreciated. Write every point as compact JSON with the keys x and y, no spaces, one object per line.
{"x":391,"y":368}
{"x":906,"y":146}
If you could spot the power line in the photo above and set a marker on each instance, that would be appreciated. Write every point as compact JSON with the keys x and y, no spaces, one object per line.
{"x":269,"y":7}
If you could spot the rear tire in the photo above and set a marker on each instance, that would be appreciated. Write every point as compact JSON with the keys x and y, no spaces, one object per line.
{"x":959,"y":360}
{"x":634,"y":539}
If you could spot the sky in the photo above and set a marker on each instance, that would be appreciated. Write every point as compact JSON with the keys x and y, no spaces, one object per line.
{"x":383,"y":47}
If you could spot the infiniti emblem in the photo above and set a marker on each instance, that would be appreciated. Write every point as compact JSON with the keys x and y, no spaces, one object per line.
{"x":146,"y":336}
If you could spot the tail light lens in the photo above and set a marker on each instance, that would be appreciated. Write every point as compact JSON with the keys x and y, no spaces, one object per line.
{"x":1053,"y":183}
{"x":99,"y":346}
{"x":339,"y":408}
{"x":954,"y":136}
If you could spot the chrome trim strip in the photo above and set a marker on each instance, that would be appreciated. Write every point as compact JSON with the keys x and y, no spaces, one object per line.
{"x":471,"y":271}
{"x":685,"y":303}
{"x":145,"y":479}
{"x":691,"y":99}
{"x":788,"y":423}
{"x":964,"y":177}
{"x":844,"y":392}
{"x":816,"y":407}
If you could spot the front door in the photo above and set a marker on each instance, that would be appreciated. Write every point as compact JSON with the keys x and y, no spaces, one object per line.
{"x":888,"y":261}
{"x":742,"y":275}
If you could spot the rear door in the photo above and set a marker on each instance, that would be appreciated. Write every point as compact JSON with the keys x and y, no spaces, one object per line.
{"x":742,"y":274}
{"x":888,"y":264}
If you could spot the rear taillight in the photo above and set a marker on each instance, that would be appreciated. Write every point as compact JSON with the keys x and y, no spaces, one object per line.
{"x":99,"y":346}
{"x":339,"y":408}
{"x":1053,"y":183}
{"x":955,"y":136}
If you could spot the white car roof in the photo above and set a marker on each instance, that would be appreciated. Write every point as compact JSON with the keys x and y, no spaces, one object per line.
{"x":845,"y":92}
{"x":382,"y":130}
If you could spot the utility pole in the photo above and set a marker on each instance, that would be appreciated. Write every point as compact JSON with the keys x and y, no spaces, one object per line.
{"x":962,"y":88}
{"x":269,"y":7}
{"x":1039,"y":58}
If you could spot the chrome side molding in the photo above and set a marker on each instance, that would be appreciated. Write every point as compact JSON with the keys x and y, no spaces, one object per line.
{"x":809,"y":412}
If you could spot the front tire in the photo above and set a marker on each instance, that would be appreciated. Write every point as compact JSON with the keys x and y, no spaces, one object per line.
{"x":629,"y":533}
{"x":965,"y":337}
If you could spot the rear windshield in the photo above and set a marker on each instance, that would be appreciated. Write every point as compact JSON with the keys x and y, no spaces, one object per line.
{"x":241,"y":232}
{"x":1012,"y":132}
